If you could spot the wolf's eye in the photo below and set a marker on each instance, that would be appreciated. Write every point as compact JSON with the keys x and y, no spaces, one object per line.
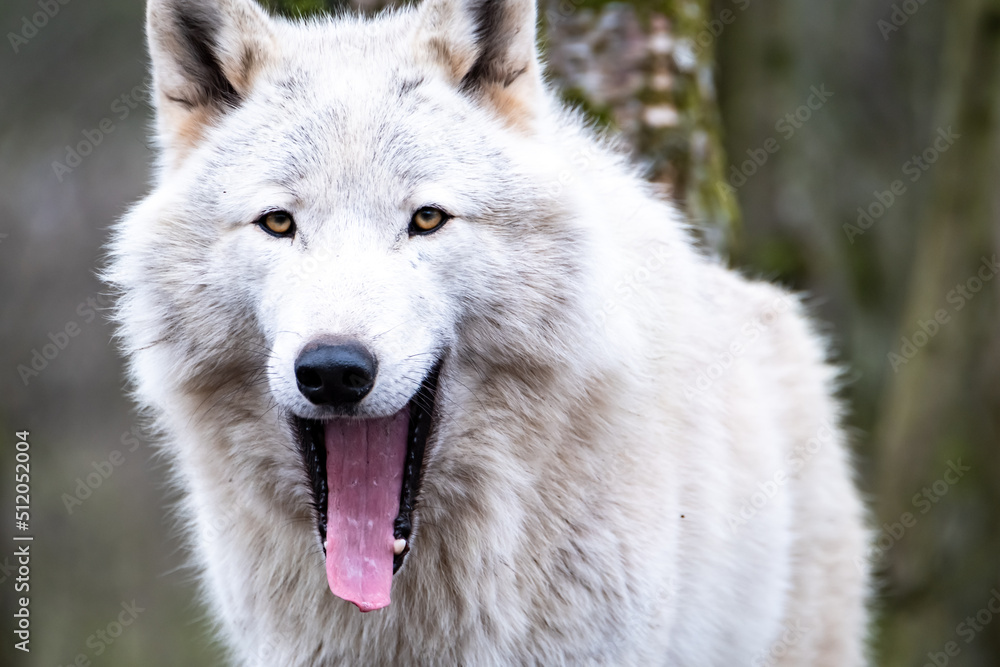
{"x":427,"y":219}
{"x":277,"y":223}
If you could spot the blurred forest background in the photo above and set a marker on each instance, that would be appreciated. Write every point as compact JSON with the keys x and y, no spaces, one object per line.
{"x":846,"y":149}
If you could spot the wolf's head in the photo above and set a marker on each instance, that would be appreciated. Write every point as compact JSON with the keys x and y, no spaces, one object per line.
{"x":346,"y":212}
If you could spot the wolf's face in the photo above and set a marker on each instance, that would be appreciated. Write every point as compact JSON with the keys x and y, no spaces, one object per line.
{"x":345,"y":205}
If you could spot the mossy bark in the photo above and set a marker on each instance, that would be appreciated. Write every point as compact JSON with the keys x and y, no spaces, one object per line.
{"x":646,"y":68}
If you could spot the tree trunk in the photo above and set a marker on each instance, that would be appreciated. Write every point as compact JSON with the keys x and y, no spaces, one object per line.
{"x":942,"y":403}
{"x":647,"y":69}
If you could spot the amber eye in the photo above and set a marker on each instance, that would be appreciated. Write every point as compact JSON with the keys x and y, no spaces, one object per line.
{"x":277,"y":223}
{"x":427,"y":219}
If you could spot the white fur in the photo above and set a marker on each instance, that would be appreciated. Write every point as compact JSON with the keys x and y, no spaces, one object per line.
{"x":609,"y":401}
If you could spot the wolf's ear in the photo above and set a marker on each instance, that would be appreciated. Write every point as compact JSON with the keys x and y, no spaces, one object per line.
{"x":205,"y":55}
{"x":488,"y":49}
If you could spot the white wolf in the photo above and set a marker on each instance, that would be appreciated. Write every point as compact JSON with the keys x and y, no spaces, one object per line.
{"x":413,"y":333}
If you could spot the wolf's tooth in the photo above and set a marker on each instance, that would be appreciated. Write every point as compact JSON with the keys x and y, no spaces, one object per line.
{"x":398,"y":546}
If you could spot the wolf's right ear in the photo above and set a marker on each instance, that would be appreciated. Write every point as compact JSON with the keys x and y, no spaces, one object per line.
{"x":487,"y":48}
{"x":205,"y":55}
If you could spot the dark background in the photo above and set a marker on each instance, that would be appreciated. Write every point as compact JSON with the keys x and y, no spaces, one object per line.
{"x":699,"y":92}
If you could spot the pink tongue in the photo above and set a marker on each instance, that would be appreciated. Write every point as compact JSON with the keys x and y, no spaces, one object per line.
{"x":364,"y":467}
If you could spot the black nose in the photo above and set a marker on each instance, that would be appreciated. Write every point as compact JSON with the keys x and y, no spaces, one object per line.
{"x":335,"y":375}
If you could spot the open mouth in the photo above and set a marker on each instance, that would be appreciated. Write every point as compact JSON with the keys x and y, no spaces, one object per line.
{"x":365,"y":476}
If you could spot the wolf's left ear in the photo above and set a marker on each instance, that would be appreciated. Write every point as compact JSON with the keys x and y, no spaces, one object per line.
{"x":488,"y":49}
{"x":205,"y":56}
